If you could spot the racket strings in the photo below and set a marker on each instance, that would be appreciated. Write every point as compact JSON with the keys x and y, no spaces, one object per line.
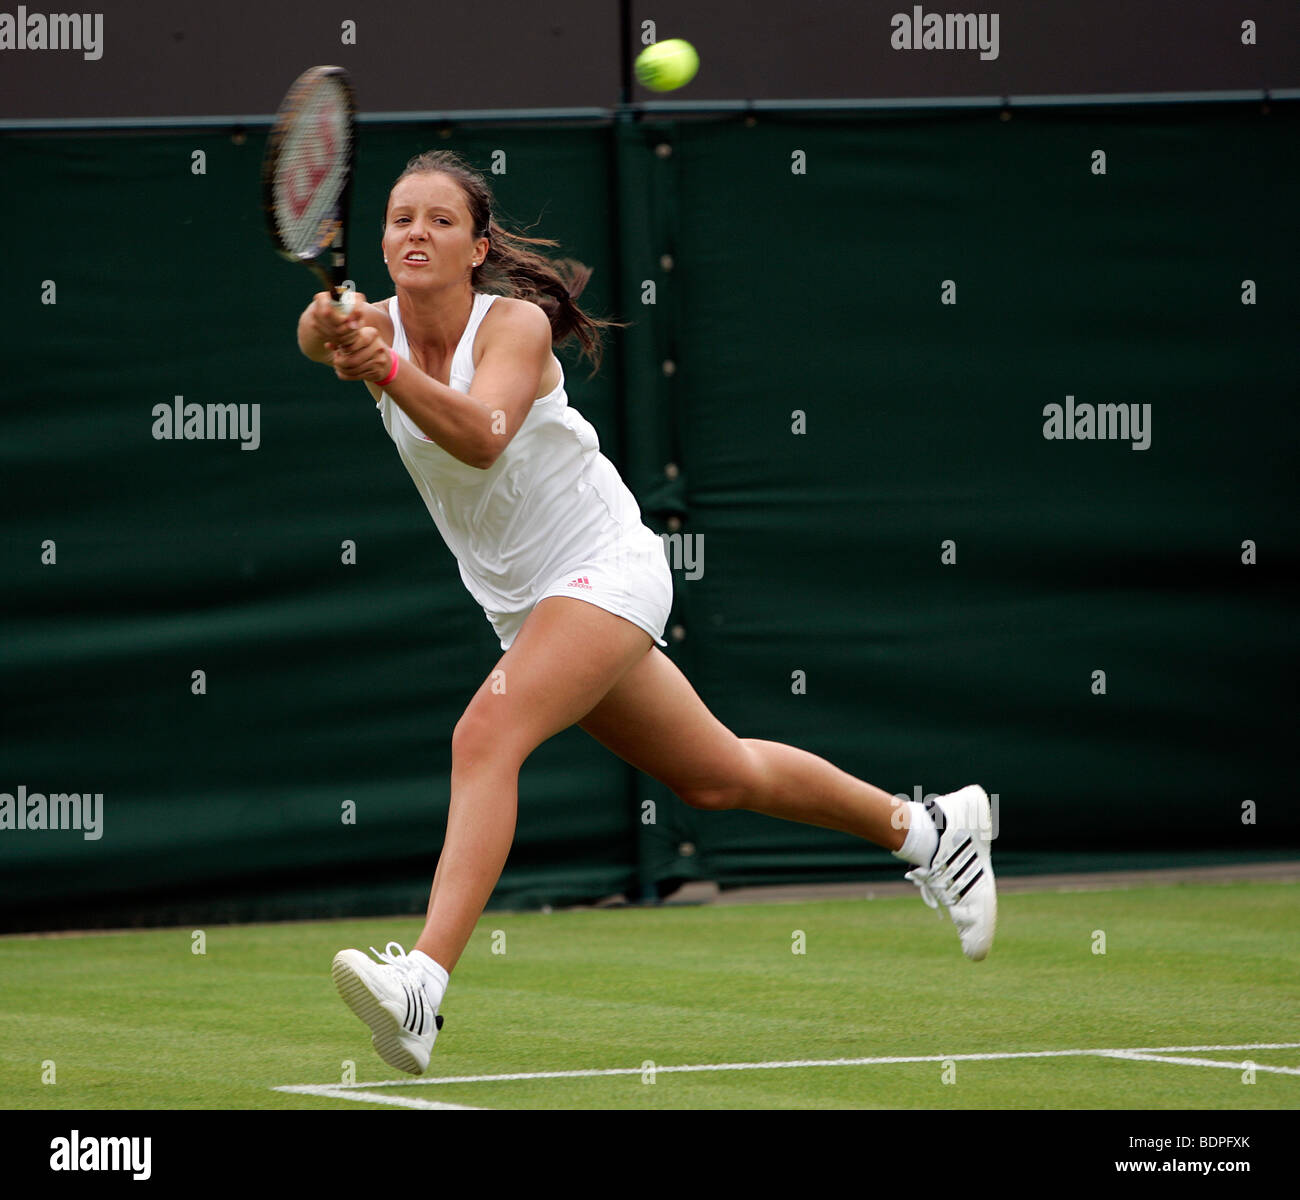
{"x":311,"y":170}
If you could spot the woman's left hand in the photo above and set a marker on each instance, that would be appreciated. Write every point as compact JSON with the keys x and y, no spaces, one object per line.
{"x":363,"y":354}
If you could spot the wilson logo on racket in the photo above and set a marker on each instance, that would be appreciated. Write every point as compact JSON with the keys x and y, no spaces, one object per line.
{"x":302,"y":184}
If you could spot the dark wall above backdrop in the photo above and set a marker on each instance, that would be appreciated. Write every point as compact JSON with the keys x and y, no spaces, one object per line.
{"x":155,"y":58}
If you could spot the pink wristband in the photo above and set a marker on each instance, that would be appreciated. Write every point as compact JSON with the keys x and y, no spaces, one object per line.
{"x":391,"y":374}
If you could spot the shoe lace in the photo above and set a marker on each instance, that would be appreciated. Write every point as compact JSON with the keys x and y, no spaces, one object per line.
{"x":935,"y":887}
{"x":395,"y":956}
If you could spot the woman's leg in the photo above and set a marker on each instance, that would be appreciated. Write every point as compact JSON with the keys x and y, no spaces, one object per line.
{"x":654,"y":719}
{"x":565,"y":658}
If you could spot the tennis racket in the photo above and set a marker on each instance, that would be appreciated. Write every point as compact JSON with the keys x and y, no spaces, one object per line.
{"x":307,"y":176}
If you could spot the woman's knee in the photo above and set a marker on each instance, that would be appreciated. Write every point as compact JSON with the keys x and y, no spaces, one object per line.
{"x":738,"y":787}
{"x":479,"y":739}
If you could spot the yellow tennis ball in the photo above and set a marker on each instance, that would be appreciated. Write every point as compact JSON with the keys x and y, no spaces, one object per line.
{"x":668,"y":65}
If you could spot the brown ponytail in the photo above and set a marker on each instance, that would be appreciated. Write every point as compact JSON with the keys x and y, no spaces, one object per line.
{"x":511,"y":268}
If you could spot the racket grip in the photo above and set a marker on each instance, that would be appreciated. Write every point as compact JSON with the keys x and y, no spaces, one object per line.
{"x":345,"y":300}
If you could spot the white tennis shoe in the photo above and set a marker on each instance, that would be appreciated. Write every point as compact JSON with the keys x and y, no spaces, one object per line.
{"x":960,"y":875}
{"x":391,"y":997}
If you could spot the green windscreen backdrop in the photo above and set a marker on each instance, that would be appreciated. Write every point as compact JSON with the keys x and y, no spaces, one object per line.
{"x":835,"y":400}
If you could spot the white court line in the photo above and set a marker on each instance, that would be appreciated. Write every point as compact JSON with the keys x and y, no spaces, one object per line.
{"x":1134,"y":1056}
{"x":343,"y":1091}
{"x":1137,"y":1053}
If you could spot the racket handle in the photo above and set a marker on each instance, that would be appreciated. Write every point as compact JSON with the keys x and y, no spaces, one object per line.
{"x":345,"y":300}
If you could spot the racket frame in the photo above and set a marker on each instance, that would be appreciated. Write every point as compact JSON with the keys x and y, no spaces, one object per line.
{"x":335,"y":276}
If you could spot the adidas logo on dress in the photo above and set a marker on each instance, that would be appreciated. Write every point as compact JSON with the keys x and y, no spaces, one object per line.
{"x":581,"y":582}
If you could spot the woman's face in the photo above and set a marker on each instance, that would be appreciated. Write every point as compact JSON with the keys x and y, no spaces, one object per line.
{"x":428,"y":233}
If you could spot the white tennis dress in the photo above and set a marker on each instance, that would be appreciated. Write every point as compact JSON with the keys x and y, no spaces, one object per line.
{"x":551,"y":517}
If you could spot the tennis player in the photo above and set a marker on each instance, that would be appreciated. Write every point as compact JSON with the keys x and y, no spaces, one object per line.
{"x":550,"y":542}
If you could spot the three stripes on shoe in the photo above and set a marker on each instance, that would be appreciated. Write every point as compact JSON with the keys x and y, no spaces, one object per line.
{"x":937,"y":815}
{"x":965,"y":866}
{"x":417,"y":1009}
